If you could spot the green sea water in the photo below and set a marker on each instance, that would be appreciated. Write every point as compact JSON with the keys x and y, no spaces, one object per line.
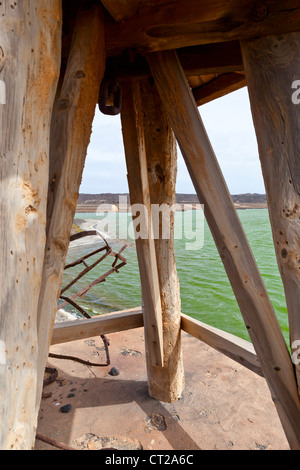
{"x":206,"y":293}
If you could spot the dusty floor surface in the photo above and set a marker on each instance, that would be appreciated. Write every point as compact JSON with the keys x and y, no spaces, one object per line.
{"x":224,"y":406}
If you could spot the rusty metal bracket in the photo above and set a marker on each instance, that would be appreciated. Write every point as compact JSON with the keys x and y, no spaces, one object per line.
{"x":110,"y":97}
{"x":106,"y":343}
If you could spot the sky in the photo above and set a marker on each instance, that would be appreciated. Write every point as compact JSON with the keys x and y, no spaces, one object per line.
{"x":229,"y":125}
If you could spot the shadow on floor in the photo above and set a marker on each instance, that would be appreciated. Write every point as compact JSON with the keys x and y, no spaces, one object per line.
{"x":108,"y":406}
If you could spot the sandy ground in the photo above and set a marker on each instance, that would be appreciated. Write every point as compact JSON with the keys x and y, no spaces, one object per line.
{"x":224,"y":406}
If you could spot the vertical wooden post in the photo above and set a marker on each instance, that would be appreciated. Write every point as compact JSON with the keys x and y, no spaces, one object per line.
{"x":230,"y":239}
{"x":166,"y":382}
{"x":133,"y":136}
{"x":70,"y":134}
{"x":30,"y":42}
{"x":272,"y":64}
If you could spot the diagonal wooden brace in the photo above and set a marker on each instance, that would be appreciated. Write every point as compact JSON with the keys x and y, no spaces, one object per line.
{"x":139,"y":194}
{"x":230,"y":239}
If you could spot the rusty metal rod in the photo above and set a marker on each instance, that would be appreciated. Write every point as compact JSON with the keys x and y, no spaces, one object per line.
{"x":85,"y":271}
{"x":74,"y":304}
{"x":82,"y":361}
{"x":52,"y":442}
{"x":81,"y":260}
{"x":102,"y":278}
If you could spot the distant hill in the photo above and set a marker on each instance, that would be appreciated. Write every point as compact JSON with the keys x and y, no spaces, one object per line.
{"x":90,"y":202}
{"x":96,"y":199}
{"x":249,"y":198}
{"x":112,"y":198}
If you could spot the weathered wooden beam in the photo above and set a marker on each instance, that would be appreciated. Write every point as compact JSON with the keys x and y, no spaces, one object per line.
{"x":174,"y":24}
{"x":218,"y":58}
{"x":122,"y":9}
{"x":220,"y":86}
{"x":71,"y":127}
{"x":165,"y":383}
{"x":100,"y":325}
{"x":230,"y":345}
{"x":133,"y":137}
{"x":272,"y":64}
{"x":207,"y":59}
{"x":230,"y":239}
{"x":30,"y":35}
{"x":236,"y":348}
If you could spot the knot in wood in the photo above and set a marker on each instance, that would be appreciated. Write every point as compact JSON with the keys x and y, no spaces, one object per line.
{"x":63,"y":104}
{"x":259,"y":12}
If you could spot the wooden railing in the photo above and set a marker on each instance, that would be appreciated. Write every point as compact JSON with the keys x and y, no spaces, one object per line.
{"x":230,"y":345}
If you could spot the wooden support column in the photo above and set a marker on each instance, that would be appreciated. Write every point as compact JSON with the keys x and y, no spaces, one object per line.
{"x":272,"y":65}
{"x":133,"y":136}
{"x":161,"y":153}
{"x":30,"y":42}
{"x":230,"y":239}
{"x":70,"y":134}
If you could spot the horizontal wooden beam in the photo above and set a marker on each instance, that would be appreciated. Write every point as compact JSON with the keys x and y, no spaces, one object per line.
{"x":206,"y":59}
{"x":122,"y":9}
{"x":174,"y":24}
{"x":222,"y":60}
{"x":218,"y":87}
{"x":216,"y":58}
{"x":100,"y":325}
{"x":232,"y":346}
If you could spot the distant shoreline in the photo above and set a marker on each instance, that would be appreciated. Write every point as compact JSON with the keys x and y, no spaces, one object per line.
{"x":89,"y":203}
{"x":81,"y":209}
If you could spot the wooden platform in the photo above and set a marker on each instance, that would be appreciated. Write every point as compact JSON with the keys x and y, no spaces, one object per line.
{"x":224,"y":406}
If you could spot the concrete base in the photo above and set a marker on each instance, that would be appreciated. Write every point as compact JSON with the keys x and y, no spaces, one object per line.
{"x":224,"y":406}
